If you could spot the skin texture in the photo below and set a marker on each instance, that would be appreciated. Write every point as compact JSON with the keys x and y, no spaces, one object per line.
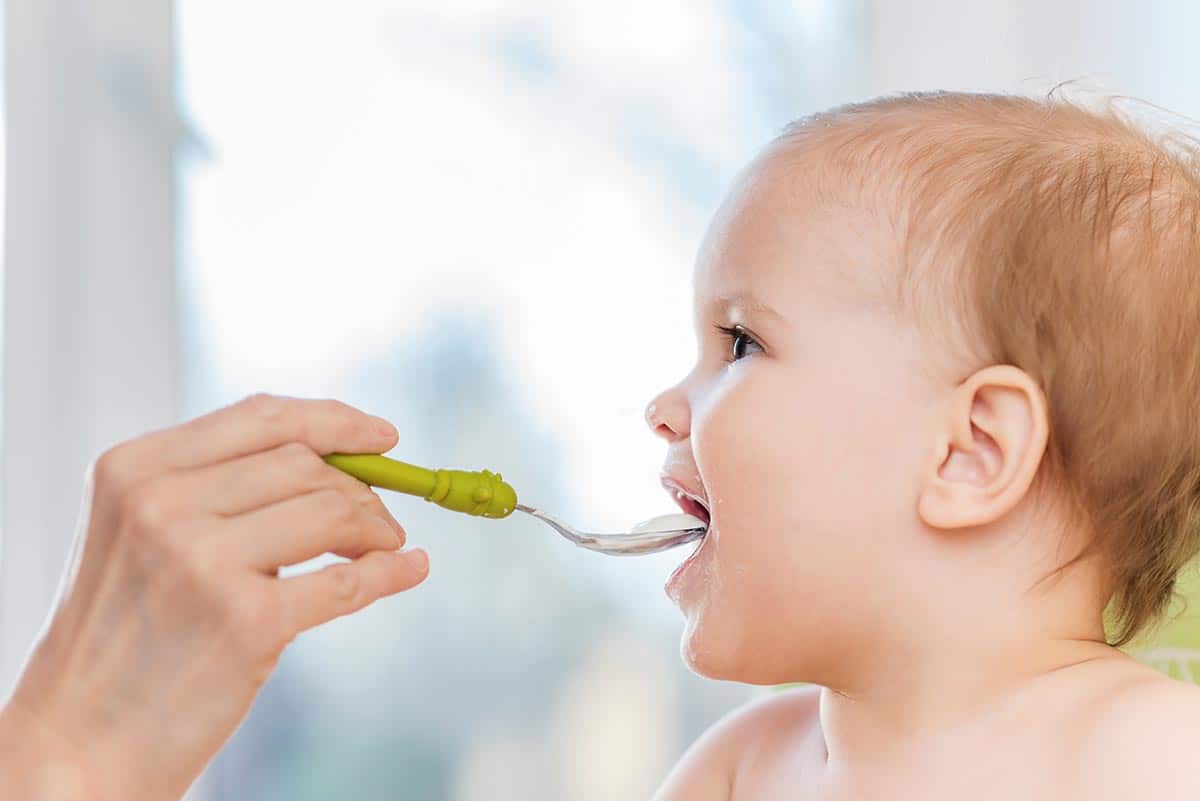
{"x":874,"y":534}
{"x":172,"y":616}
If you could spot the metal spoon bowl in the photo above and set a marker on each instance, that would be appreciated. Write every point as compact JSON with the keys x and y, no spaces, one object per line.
{"x":629,"y":544}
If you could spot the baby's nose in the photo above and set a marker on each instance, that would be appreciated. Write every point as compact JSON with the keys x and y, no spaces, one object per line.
{"x":667,"y":417}
{"x":651,"y":415}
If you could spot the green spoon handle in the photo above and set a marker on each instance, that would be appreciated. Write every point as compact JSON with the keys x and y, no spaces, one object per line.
{"x":474,"y":492}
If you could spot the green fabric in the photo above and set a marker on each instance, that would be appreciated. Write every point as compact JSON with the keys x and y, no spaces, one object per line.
{"x":1174,"y":646}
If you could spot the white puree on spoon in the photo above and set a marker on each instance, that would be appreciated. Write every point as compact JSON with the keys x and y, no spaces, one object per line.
{"x":676,"y":522}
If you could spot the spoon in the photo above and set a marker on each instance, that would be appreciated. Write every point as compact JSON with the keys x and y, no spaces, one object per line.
{"x":649,"y":536}
{"x":485,"y":494}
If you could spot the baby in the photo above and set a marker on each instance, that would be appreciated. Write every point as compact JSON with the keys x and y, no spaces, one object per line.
{"x":946,"y":408}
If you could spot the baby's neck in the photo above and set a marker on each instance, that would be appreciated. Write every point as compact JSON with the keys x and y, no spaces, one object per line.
{"x":971,"y":668}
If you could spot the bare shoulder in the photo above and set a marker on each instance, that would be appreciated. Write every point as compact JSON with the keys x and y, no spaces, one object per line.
{"x":707,"y":769}
{"x":1143,"y":737}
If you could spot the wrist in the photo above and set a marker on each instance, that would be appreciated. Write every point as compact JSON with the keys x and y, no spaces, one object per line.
{"x":36,"y":763}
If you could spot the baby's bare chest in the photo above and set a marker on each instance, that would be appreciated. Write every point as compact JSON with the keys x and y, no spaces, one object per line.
{"x":1031,"y":770}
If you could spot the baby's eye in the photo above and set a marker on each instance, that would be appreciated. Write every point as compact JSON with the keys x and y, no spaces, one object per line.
{"x":740,"y":340}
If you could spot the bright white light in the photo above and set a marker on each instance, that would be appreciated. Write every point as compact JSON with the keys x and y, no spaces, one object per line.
{"x":379,"y":160}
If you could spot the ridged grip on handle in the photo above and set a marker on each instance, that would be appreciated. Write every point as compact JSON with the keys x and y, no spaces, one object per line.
{"x":474,"y":492}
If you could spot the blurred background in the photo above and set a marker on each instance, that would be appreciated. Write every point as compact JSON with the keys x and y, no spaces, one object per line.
{"x":476,"y":218}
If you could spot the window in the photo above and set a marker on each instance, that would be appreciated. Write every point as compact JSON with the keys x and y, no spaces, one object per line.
{"x":477,"y":220}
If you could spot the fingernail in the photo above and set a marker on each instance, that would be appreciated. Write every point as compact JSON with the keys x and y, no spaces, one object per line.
{"x":385,"y":428}
{"x":390,"y":525}
{"x":418,"y":560}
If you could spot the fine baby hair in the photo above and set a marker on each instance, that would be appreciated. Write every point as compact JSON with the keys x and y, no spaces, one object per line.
{"x":1063,"y":239}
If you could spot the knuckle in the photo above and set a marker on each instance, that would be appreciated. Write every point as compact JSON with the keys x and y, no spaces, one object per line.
{"x":111,"y":469}
{"x":297,"y":453}
{"x":270,"y":409}
{"x":335,"y":406}
{"x":344,"y":584}
{"x":147,"y":508}
{"x":301,"y":460}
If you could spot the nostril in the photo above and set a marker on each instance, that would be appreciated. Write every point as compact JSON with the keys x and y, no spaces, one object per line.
{"x":658,"y":423}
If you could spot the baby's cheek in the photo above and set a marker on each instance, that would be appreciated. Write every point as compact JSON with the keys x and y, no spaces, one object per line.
{"x":784,"y":483}
{"x":765,"y":494}
{"x":766,"y":449}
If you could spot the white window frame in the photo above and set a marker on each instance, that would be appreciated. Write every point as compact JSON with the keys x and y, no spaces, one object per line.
{"x":89,"y":338}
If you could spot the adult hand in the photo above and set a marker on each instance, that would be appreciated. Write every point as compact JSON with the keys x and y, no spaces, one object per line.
{"x":171,"y":615}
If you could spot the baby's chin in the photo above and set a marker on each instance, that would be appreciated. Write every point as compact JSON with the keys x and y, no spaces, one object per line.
{"x":717,"y":647}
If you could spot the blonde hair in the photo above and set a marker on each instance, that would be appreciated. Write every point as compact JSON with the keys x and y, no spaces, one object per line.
{"x":1065,"y":241}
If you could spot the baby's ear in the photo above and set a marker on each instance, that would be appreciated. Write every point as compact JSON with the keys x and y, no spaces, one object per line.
{"x":989,"y":444}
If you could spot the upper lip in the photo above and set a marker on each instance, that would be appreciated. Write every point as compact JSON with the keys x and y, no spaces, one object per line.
{"x":680,"y":492}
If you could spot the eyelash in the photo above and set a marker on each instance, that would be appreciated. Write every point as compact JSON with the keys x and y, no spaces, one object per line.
{"x":733,"y":334}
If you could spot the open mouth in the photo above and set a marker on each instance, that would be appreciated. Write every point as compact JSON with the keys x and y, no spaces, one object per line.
{"x":697,"y":507}
{"x":692,"y":505}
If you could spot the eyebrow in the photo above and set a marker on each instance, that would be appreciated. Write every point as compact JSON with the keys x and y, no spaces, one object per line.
{"x":747,"y":302}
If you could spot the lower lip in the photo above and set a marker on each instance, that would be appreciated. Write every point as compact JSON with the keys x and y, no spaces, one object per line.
{"x":676,"y":576}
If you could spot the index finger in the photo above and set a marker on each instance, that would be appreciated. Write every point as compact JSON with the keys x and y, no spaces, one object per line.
{"x":260,"y":422}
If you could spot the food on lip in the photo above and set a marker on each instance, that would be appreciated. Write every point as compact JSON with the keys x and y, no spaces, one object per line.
{"x":672,"y":522}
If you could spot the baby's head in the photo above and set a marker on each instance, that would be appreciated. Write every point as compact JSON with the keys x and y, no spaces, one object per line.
{"x":964,"y":395}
